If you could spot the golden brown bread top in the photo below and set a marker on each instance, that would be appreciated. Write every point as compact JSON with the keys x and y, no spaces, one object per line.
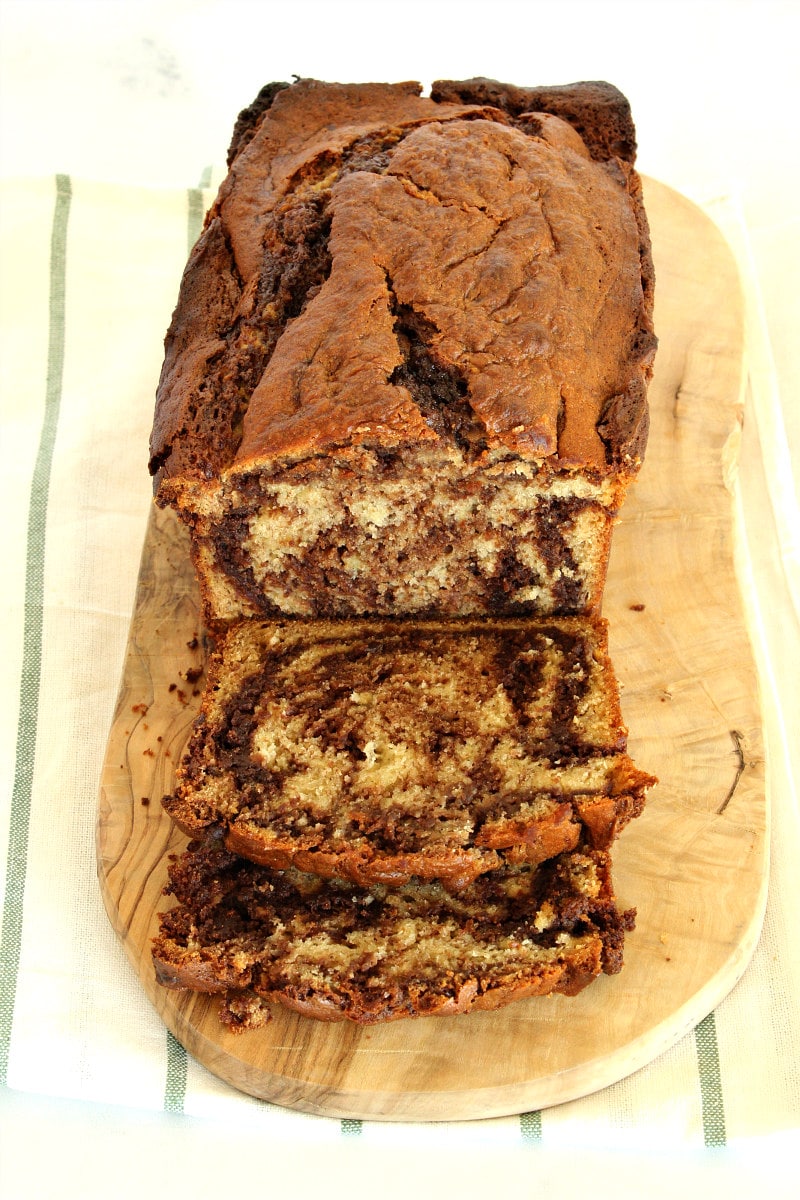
{"x":514,"y":248}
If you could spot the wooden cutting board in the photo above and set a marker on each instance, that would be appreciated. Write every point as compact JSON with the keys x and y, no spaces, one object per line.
{"x":695,"y":864}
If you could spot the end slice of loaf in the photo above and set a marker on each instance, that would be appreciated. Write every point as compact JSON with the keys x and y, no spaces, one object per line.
{"x":407,"y":371}
{"x":381,"y":750}
{"x":336,"y":952}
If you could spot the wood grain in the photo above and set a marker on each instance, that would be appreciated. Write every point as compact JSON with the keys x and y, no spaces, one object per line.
{"x":695,"y":865}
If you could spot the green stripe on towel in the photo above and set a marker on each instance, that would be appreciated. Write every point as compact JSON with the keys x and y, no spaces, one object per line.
{"x":197,"y":209}
{"x":705,"y":1036}
{"x":27,"y":726}
{"x":530,"y":1124}
{"x":196,"y":214}
{"x":175,"y":1086}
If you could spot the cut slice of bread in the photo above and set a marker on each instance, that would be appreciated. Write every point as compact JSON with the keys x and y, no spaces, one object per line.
{"x":381,"y":750}
{"x":334,"y":951}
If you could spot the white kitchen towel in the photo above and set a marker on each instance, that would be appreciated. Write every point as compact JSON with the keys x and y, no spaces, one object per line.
{"x":90,"y":273}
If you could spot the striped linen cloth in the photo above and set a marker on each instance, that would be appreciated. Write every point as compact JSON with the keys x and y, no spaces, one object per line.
{"x":89,"y":278}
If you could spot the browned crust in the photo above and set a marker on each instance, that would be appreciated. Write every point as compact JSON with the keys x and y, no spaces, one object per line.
{"x":249,"y":118}
{"x":184,"y":973}
{"x":567,"y":977}
{"x":598,"y":111}
{"x":455,"y":870}
{"x":595,"y":821}
{"x":602,"y":117}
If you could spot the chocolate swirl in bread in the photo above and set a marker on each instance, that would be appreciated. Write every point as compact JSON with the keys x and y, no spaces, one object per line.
{"x":334,"y":951}
{"x":378,"y":751}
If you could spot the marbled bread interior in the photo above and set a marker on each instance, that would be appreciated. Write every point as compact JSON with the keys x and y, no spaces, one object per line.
{"x":334,"y":951}
{"x":381,"y":750}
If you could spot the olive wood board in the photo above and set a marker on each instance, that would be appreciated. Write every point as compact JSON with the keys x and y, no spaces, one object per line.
{"x":694,"y":865}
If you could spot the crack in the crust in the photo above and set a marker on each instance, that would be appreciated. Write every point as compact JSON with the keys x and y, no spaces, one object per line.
{"x":438,"y":389}
{"x":602,"y":302}
{"x":513,"y":163}
{"x":561,"y":415}
{"x":487,"y":245}
{"x":429,"y":196}
{"x":738,"y":741}
{"x":549,"y":225}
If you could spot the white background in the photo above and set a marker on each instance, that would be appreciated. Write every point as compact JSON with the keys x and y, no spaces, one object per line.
{"x":147,"y":92}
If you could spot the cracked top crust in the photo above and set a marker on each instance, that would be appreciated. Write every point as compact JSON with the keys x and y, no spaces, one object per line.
{"x":511,"y":240}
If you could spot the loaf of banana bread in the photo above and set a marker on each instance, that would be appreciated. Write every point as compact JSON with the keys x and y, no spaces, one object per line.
{"x":408,"y":366}
{"x":377,"y":750}
{"x":335,"y":951}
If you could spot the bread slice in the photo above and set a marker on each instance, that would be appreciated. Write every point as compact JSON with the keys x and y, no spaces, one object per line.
{"x":408,"y":366}
{"x":380,"y":750}
{"x":333,"y":951}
